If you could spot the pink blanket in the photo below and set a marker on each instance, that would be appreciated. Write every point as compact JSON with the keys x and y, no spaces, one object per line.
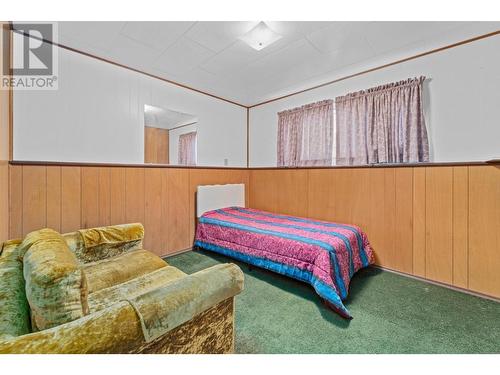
{"x":324,"y":254}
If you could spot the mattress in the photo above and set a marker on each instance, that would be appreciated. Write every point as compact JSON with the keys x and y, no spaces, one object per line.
{"x":323,"y":254}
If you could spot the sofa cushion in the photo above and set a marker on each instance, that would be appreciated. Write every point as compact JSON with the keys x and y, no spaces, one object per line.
{"x":113,"y":271}
{"x":133,"y":288}
{"x":55,"y":284}
{"x":14,"y":309}
{"x":106,"y":242}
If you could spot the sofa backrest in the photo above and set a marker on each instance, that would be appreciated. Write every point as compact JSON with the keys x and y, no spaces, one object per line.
{"x":95,"y":244}
{"x":56,"y":287}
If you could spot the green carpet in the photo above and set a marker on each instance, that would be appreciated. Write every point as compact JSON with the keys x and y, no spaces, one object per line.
{"x":392,"y":314}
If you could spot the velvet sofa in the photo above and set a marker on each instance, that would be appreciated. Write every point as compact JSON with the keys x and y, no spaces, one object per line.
{"x":98,"y":291}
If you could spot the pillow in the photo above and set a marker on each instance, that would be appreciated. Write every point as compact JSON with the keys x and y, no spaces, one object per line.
{"x":14,"y":309}
{"x":106,"y":242}
{"x":56,"y":288}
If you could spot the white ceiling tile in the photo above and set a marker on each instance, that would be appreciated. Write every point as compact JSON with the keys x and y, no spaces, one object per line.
{"x":199,"y":77}
{"x":341,"y":58}
{"x":231,"y":59}
{"x":168,"y":76}
{"x":296,"y":29}
{"x":296,"y":54}
{"x":387,"y":36}
{"x":218,"y":35}
{"x":129,"y":52}
{"x":159,"y":35}
{"x":356,"y":51}
{"x":289,"y":77}
{"x":100,"y":35}
{"x":339,"y":36}
{"x":182,"y":56}
{"x":80,"y":45}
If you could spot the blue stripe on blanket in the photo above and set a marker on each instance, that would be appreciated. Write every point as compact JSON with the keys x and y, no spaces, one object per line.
{"x":311,"y":230}
{"x":325,"y":291}
{"x":364,"y":258}
{"x":337,"y":277}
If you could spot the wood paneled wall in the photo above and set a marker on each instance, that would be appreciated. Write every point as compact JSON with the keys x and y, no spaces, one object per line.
{"x":155,"y":145}
{"x":67,"y":198}
{"x":439,"y":223}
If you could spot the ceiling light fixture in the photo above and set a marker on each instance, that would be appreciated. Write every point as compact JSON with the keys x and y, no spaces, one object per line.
{"x":261,"y":36}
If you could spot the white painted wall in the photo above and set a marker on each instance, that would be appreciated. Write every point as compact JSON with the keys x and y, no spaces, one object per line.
{"x":97,"y":115}
{"x":173,"y":140}
{"x":462,"y":103}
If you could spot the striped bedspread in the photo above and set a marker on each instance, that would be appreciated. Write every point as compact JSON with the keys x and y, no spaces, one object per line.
{"x":324,"y":254}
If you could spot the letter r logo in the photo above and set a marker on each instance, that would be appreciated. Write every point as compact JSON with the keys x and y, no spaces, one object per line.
{"x":32,"y":56}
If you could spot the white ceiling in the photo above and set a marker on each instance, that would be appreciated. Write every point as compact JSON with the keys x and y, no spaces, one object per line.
{"x":210,"y":57}
{"x":166,"y":118}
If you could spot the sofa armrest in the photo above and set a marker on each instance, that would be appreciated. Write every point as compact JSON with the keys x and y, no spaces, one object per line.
{"x":167,"y":307}
{"x":127,"y":326}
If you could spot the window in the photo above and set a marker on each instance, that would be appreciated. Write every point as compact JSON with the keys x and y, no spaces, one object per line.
{"x":305,"y":135}
{"x":383,"y":124}
{"x":187,"y":149}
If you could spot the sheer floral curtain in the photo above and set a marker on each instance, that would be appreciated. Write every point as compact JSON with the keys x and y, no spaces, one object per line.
{"x":383,"y":124}
{"x":305,"y":135}
{"x":187,"y":149}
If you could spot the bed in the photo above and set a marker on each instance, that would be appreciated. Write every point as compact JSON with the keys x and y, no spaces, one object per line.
{"x":323,"y":254}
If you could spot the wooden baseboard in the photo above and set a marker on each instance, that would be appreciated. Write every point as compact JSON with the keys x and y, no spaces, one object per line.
{"x":176,"y":253}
